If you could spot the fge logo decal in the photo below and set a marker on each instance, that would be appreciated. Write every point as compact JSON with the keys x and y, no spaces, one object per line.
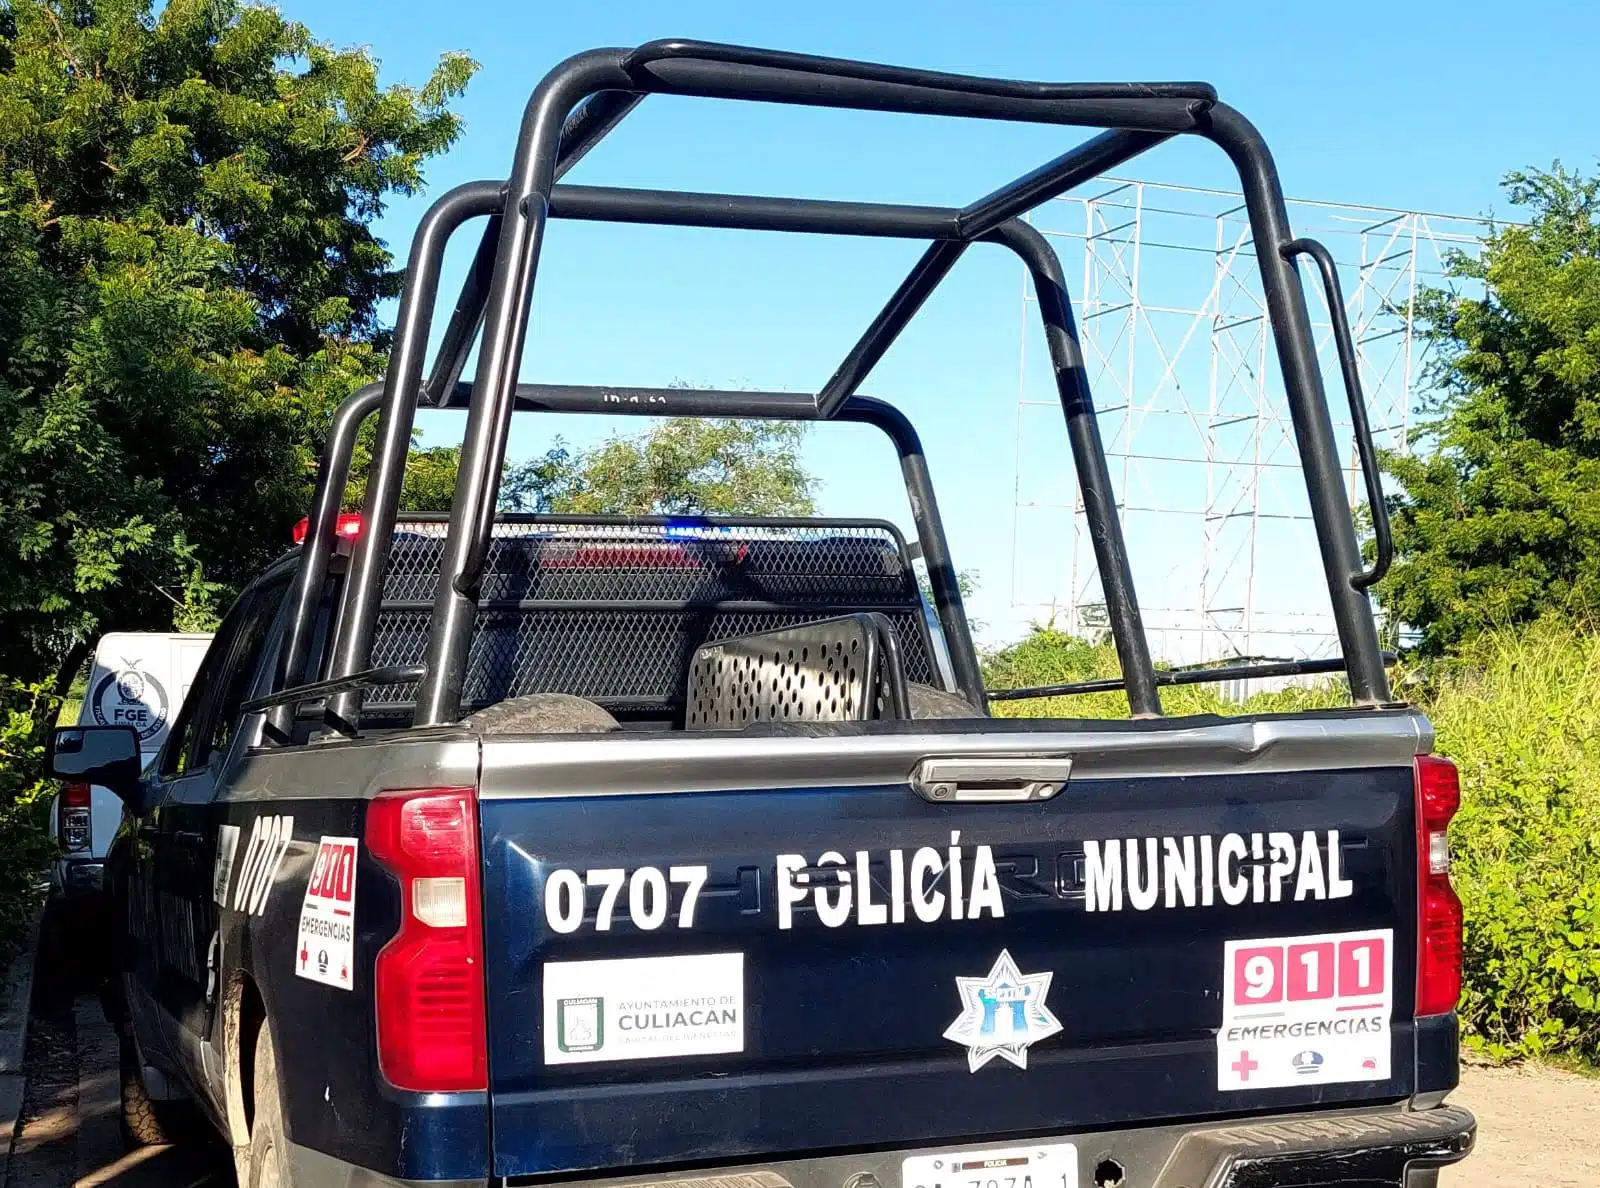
{"x":131,"y":698}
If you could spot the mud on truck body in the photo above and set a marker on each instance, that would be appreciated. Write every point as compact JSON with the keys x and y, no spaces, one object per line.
{"x":538,"y":849}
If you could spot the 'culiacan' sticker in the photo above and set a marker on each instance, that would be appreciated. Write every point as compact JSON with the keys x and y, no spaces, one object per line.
{"x":643,"y":1008}
{"x":1306,"y":1010}
{"x":325,"y":944}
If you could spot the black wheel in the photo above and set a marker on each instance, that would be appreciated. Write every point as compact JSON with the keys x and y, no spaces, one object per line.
{"x":269,"y":1153}
{"x":145,"y":1122}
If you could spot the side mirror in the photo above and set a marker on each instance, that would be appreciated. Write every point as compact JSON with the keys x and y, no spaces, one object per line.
{"x":105,"y":755}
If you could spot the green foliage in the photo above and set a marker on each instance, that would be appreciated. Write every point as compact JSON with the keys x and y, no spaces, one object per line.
{"x":430,"y":481}
{"x":188,"y":284}
{"x":1519,"y":711}
{"x":1500,"y":519}
{"x":683,"y":466}
{"x":24,"y":800}
{"x":1047,"y":656}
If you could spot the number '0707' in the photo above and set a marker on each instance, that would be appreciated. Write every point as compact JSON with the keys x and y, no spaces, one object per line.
{"x":566,"y":897}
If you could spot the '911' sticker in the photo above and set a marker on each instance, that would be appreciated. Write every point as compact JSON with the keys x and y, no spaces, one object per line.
{"x":1306,"y":1010}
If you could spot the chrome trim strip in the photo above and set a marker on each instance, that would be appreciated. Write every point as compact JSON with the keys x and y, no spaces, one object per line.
{"x":534,"y":768}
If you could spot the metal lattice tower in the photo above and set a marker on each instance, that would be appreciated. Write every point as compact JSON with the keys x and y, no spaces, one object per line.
{"x":1191,"y":408}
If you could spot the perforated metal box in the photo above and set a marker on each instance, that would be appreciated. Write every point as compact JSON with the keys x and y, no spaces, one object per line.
{"x":838,"y":670}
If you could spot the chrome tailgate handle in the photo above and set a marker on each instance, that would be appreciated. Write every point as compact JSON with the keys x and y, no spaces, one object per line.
{"x":998,"y":779}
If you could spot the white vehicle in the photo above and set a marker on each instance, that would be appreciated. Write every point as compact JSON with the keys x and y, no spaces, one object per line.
{"x":139,"y":679}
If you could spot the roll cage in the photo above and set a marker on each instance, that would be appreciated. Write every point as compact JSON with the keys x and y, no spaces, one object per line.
{"x":576,"y":105}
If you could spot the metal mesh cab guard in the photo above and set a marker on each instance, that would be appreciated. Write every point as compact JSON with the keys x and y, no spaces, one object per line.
{"x":614,"y":610}
{"x":837,"y":670}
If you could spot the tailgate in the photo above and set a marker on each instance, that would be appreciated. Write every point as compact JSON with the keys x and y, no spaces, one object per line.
{"x":814,"y":960}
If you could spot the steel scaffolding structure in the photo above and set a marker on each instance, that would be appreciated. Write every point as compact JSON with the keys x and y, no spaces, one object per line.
{"x":1192,"y":410}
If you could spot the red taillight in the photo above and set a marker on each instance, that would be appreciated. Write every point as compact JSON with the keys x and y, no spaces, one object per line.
{"x":74,"y":818}
{"x":1438,"y":908}
{"x":432,"y":1031}
{"x":347,"y":525}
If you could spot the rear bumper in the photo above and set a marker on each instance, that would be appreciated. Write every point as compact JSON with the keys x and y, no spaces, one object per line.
{"x":1393,"y":1146}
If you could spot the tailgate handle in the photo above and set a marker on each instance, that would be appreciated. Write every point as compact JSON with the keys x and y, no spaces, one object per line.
{"x":996,"y":780}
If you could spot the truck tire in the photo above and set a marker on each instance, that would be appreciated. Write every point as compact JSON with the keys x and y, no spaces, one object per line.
{"x":269,"y":1152}
{"x":144,"y":1122}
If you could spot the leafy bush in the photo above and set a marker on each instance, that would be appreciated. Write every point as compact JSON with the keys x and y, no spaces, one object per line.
{"x":1519,"y":711}
{"x":1047,"y":656}
{"x":24,"y":800}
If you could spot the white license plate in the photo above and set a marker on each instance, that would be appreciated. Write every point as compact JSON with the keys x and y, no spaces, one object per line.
{"x":1048,"y":1165}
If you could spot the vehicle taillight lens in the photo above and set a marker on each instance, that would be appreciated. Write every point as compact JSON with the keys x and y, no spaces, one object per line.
{"x":347,"y":525}
{"x":432,"y":1031}
{"x":1438,"y":908}
{"x":74,"y":819}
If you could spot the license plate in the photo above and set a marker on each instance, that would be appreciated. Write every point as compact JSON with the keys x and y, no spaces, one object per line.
{"x":1048,"y":1165}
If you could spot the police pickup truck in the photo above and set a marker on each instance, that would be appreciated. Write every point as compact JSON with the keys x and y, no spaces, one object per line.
{"x":539,"y":849}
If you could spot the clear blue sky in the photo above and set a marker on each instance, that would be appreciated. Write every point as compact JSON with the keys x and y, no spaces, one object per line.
{"x":1419,"y":104}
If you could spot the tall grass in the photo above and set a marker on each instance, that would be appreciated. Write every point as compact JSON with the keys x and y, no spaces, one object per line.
{"x":1520,"y":714}
{"x":1519,"y":711}
{"x":1050,"y":657}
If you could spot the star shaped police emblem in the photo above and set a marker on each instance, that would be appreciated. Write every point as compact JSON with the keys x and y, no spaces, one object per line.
{"x":1002,"y":1014}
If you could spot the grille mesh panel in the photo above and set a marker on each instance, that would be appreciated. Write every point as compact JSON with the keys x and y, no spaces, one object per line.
{"x":823,"y":672}
{"x":681,"y":589}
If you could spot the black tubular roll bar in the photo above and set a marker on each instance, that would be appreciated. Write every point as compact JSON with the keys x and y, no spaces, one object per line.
{"x":583,"y":98}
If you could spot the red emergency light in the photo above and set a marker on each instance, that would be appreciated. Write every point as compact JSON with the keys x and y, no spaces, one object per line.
{"x":348,"y":525}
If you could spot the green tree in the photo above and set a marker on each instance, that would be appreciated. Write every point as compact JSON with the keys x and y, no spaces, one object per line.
{"x":189,"y":282}
{"x":430,"y":480}
{"x":1499,"y":521}
{"x":684,"y":466}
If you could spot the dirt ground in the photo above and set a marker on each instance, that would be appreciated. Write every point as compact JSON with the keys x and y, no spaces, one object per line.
{"x":69,"y":1132}
{"x":1536,"y":1126}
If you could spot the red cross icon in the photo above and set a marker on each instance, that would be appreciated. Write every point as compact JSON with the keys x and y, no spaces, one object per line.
{"x":1244,"y":1066}
{"x":304,"y":957}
